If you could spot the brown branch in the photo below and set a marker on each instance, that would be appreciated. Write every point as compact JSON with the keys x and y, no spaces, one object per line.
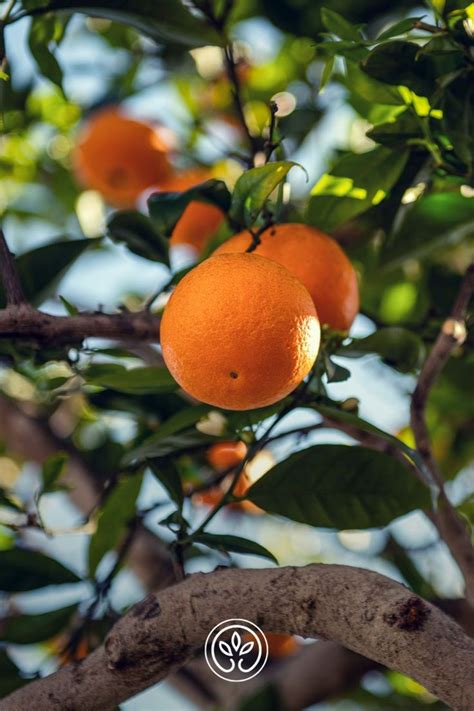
{"x":24,"y":323}
{"x":452,"y":335}
{"x":366,"y":612}
{"x":14,"y":294}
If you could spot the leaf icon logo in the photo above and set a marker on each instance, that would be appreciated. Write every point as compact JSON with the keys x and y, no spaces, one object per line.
{"x":236,"y":650}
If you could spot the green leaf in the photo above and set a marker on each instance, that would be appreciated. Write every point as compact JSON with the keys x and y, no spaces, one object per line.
{"x":42,"y":269}
{"x":166,"y":472}
{"x":397,"y":133}
{"x":339,"y":26}
{"x":31,"y":629}
{"x":22,"y":569}
{"x":360,"y":83}
{"x":338,"y":486}
{"x":70,"y":308}
{"x":53,"y":467}
{"x":356,"y":183}
{"x":398,"y":63}
{"x":158,"y":446}
{"x":9,"y":501}
{"x":42,"y":33}
{"x":457,"y":105}
{"x":166,"y":208}
{"x":138,"y":232}
{"x":434,"y":221}
{"x":183,"y":419}
{"x":10,"y":678}
{"x":117,"y":512}
{"x":265,"y":699}
{"x":397,"y":347}
{"x":133,"y":381}
{"x":233,"y":544}
{"x":253,"y":188}
{"x":327,"y":72}
{"x":399,"y":28}
{"x":162,"y":20}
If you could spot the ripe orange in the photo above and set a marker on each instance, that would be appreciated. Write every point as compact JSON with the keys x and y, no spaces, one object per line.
{"x":317,"y":260}
{"x":226,"y":454}
{"x":119,"y":156}
{"x":279,"y":645}
{"x":200,"y":220}
{"x":239,"y":332}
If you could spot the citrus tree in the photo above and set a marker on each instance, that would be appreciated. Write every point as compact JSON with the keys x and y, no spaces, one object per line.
{"x":236,"y":373}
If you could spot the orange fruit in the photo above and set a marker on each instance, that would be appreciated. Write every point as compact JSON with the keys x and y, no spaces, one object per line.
{"x":279,"y":645}
{"x":199,"y":220}
{"x":119,"y":156}
{"x":317,"y":260}
{"x":226,"y":454}
{"x":239,"y":332}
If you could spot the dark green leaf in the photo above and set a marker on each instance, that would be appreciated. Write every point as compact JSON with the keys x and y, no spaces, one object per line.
{"x":31,"y":629}
{"x":41,"y":269}
{"x":356,"y":183}
{"x":138,"y":232}
{"x":42,"y":33}
{"x":457,"y":105}
{"x":158,"y":446}
{"x":253,"y":188}
{"x":162,"y":20}
{"x":70,"y":308}
{"x":265,"y":699}
{"x":399,"y":28}
{"x":166,"y":208}
{"x":337,"y":486}
{"x":234,"y":544}
{"x":370,"y":89}
{"x":53,"y":467}
{"x":437,"y":220}
{"x":339,"y":26}
{"x":10,"y":678}
{"x":397,"y":347}
{"x":336,"y":373}
{"x":398,"y":63}
{"x":117,"y":512}
{"x":327,"y":71}
{"x":22,"y":569}
{"x":397,"y":133}
{"x":133,"y":381}
{"x":166,"y":472}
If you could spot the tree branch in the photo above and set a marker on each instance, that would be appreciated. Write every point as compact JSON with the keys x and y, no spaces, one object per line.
{"x":365,"y":611}
{"x":14,"y":294}
{"x":22,"y":322}
{"x":452,"y":335}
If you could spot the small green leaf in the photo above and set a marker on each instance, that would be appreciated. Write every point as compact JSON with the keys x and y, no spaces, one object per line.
{"x":339,"y":26}
{"x":53,"y":467}
{"x":9,"y":501}
{"x":253,"y":188}
{"x":233,"y":544}
{"x":70,"y":308}
{"x":457,"y":105}
{"x":31,"y":629}
{"x":166,"y":208}
{"x":41,"y":269}
{"x":399,"y":28}
{"x":42,"y":34}
{"x":397,"y":347}
{"x":166,"y":472}
{"x":117,"y":512}
{"x":338,"y":486}
{"x":397,"y":133}
{"x":356,"y":183}
{"x":360,"y":83}
{"x":138,"y":232}
{"x":22,"y":569}
{"x":133,"y":381}
{"x":327,"y":72}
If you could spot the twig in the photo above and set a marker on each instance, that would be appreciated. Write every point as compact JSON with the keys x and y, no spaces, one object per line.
{"x":14,"y":294}
{"x":270,"y":144}
{"x":452,"y":335}
{"x":432,"y":29}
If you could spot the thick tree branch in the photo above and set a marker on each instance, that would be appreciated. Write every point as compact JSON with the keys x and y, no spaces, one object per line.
{"x":14,"y":294}
{"x":453,"y":334}
{"x":364,"y":611}
{"x":25,"y":323}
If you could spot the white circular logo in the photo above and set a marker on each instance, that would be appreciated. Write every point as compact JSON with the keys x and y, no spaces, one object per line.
{"x":236,"y":650}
